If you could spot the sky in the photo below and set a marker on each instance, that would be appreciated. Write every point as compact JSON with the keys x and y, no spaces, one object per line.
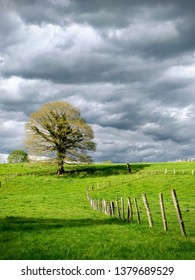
{"x":128,"y":66}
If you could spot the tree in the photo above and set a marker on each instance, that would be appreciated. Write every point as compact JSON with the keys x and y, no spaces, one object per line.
{"x":17,"y":156}
{"x":57,"y":129}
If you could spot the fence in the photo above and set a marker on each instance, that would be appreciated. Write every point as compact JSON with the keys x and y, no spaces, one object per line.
{"x":117,"y":209}
{"x":128,"y":209}
{"x":6,"y":178}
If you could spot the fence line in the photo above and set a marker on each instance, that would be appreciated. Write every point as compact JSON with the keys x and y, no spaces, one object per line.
{"x":139,"y":174}
{"x":116,"y":209}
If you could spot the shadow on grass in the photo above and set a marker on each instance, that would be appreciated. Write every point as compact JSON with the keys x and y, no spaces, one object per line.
{"x":37,"y":224}
{"x":103,"y":169}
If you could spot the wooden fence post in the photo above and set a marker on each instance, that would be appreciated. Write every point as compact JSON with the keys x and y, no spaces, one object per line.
{"x":178,"y":211}
{"x":163,"y":212}
{"x":106,"y":207}
{"x":147,"y":210}
{"x":137,"y":211}
{"x":117,"y":207}
{"x":129,"y":211}
{"x":112,"y":208}
{"x":103,"y":206}
{"x":105,"y":210}
{"x":100,"y":205}
{"x":122,"y":209}
{"x":97,"y":204}
{"x":91,"y":202}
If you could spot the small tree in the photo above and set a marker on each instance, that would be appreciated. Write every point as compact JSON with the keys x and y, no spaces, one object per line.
{"x":17,"y":156}
{"x":58,"y":129}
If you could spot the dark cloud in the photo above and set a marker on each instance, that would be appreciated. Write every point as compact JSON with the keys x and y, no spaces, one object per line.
{"x":128,"y":66}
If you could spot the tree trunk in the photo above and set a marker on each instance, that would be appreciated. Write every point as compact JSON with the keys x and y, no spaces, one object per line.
{"x":60,"y":167}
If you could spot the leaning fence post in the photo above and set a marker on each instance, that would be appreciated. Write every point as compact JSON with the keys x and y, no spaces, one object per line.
{"x":178,"y":211}
{"x":147,"y":210}
{"x":100,"y":205}
{"x":117,"y":207}
{"x":91,"y":202}
{"x":163,"y":212}
{"x":137,"y":211}
{"x":105,"y":206}
{"x":112,"y":208}
{"x":129,"y":211}
{"x":123,"y":209}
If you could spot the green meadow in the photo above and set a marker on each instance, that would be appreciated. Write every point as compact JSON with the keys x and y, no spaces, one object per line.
{"x":48,"y":217}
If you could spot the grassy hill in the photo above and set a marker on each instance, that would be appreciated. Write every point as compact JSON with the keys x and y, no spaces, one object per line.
{"x":44,"y":216}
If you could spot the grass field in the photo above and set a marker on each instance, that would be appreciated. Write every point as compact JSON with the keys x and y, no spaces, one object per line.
{"x":44,"y":216}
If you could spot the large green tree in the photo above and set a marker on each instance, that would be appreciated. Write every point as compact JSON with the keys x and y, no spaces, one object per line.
{"x":57,"y":129}
{"x":17,"y":156}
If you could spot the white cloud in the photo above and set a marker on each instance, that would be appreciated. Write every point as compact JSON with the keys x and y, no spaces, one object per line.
{"x":181,"y":72}
{"x":149,"y":31}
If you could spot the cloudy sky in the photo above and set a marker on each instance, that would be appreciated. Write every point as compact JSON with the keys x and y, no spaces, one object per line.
{"x":129,"y":66}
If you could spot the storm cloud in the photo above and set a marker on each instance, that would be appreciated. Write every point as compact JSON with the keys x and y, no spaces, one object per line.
{"x":129,"y":66}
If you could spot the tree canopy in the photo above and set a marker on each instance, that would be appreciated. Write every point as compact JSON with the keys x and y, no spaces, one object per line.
{"x":17,"y":156}
{"x":57,"y":129}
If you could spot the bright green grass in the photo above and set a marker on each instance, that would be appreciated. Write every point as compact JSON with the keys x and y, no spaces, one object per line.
{"x":48,"y":217}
